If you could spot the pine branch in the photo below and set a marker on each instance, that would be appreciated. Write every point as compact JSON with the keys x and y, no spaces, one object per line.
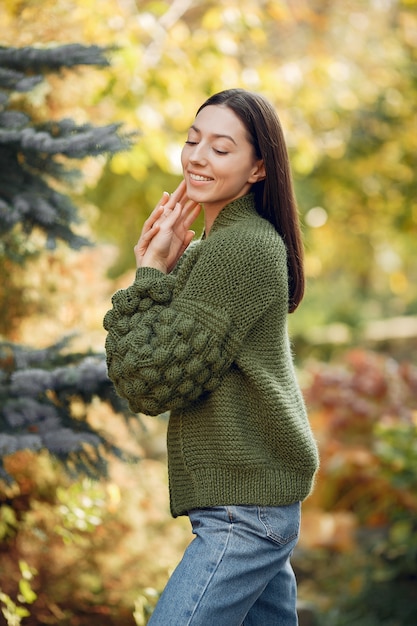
{"x":37,"y":390}
{"x":35,"y":156}
{"x":27,"y":200}
{"x":17,"y":81}
{"x":70,"y":140}
{"x":53,"y":58}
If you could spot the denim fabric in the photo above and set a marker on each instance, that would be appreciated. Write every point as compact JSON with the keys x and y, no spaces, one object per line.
{"x":236,"y":571}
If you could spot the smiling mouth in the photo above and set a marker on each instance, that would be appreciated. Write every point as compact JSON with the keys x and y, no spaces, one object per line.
{"x":197,"y":177}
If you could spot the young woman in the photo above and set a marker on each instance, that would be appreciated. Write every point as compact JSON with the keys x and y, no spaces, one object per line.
{"x":202,"y":332}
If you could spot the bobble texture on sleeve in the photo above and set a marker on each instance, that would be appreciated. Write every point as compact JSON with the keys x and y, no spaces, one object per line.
{"x":160,"y":358}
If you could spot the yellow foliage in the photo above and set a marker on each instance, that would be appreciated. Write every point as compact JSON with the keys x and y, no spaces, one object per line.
{"x":69,"y":294}
{"x":398,"y":283}
{"x":213,"y":19}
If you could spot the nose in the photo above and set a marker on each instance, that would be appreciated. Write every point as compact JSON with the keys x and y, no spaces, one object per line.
{"x":198,"y":154}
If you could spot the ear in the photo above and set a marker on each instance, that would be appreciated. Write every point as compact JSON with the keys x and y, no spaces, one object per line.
{"x":258,"y":172}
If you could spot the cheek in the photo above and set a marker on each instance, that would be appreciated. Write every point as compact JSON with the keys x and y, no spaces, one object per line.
{"x":183,"y":157}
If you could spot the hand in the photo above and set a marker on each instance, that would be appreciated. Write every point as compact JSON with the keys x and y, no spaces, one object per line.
{"x":165,"y":234}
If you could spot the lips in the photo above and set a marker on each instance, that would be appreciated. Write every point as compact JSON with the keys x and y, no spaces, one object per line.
{"x":199,"y":178}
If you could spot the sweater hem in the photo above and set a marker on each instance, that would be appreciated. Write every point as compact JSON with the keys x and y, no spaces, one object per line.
{"x":225,"y":487}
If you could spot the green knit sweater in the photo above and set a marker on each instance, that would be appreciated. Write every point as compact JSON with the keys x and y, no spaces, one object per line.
{"x":209,"y":343}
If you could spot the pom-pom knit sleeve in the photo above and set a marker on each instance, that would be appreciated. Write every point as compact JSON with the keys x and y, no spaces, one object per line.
{"x":160,"y":358}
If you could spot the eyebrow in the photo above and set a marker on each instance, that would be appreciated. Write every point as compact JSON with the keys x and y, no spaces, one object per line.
{"x":216,"y":135}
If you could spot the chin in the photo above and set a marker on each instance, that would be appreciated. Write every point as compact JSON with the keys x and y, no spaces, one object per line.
{"x":193,"y":194}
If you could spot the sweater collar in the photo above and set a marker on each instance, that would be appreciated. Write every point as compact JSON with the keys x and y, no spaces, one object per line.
{"x":233,"y":212}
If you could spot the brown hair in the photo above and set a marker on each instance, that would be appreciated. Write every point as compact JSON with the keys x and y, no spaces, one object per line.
{"x":274,"y":196}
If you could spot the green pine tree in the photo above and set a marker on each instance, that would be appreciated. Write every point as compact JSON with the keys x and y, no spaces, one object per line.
{"x":38,"y":386}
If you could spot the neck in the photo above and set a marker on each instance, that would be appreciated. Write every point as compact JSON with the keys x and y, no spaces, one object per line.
{"x":210,"y":214}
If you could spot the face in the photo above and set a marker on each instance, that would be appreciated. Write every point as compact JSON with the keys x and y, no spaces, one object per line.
{"x":218,"y":160}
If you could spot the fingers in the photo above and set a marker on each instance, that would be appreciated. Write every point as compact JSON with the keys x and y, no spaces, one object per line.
{"x":170,"y":220}
{"x":179,"y":195}
{"x":181,"y":217}
{"x":192,"y":213}
{"x":149,"y":230}
{"x":187,"y":240}
{"x":170,"y":212}
{"x":144,"y":241}
{"x":169,"y":201}
{"x":152,"y":219}
{"x":164,"y":199}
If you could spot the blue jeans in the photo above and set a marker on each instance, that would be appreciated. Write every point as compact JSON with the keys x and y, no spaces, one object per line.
{"x":236,"y":571}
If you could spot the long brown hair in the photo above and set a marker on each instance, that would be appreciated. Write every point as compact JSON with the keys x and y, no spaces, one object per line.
{"x":274,"y":196}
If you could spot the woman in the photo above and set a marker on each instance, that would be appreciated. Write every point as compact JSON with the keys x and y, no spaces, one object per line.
{"x":202,"y":332}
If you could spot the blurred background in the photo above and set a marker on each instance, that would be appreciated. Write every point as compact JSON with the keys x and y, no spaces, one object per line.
{"x":96,"y":547}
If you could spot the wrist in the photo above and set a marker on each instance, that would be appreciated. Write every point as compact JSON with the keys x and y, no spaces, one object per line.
{"x":152,"y":262}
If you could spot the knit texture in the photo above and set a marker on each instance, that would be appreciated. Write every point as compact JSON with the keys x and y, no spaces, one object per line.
{"x":209,"y":343}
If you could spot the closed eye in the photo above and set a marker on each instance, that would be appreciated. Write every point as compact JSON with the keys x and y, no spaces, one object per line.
{"x":194,"y":143}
